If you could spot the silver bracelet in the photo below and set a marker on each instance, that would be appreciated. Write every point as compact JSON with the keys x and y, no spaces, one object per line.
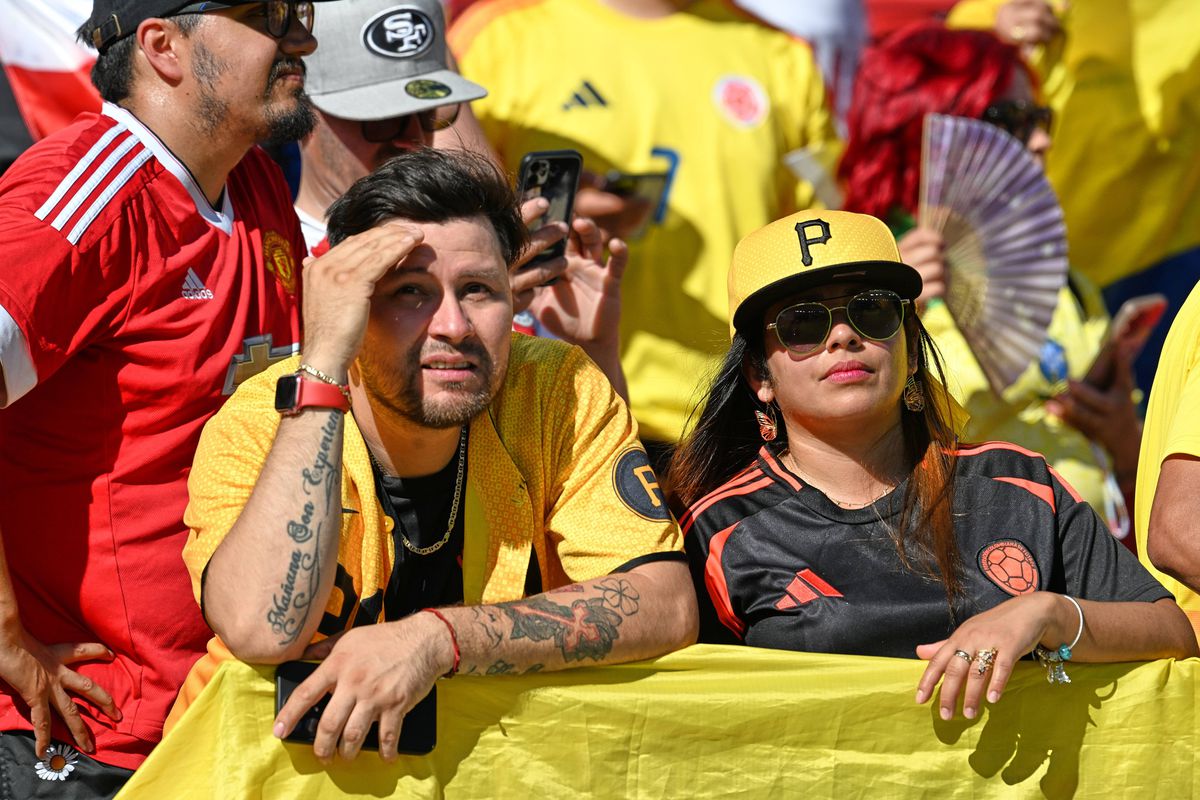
{"x":1053,"y":660}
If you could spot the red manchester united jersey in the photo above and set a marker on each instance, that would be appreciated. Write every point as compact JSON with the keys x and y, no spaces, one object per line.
{"x":129,"y":308}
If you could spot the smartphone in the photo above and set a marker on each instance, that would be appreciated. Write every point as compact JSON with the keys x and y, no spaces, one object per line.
{"x":1131,"y":326}
{"x":554,"y":175}
{"x":418,"y":735}
{"x":648,"y":189}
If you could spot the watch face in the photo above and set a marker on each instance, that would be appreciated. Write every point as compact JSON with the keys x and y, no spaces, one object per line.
{"x":287,"y":390}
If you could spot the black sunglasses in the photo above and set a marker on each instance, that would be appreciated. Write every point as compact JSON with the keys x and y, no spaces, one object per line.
{"x":430,"y":120}
{"x":1018,"y":117}
{"x":876,"y":314}
{"x":279,"y":14}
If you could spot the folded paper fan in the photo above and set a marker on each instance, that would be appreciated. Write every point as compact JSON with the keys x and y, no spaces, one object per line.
{"x":1006,"y":243}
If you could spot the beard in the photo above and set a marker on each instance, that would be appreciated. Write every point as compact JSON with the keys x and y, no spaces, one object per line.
{"x":396,"y":385}
{"x":293,"y":124}
{"x":281,"y":123}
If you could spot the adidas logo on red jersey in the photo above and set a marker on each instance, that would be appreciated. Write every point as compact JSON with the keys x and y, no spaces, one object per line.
{"x":194,"y":288}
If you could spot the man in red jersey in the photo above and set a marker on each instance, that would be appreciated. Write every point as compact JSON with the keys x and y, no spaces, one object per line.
{"x":151,"y":263}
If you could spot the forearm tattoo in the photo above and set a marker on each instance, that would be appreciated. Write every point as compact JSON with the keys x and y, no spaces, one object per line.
{"x":587,"y":628}
{"x":291,"y":605}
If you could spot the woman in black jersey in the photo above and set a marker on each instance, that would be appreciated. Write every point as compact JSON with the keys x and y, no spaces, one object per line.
{"x":827,"y":505}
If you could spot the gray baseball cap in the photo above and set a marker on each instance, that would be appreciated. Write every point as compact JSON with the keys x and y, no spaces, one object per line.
{"x":378,"y":59}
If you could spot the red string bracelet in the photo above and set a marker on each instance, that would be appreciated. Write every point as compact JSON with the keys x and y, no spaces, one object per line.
{"x":453,"y":641}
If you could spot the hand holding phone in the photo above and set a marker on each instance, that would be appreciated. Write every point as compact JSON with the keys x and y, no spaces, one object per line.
{"x":1131,"y":326}
{"x":418,"y":734}
{"x":553,"y":175}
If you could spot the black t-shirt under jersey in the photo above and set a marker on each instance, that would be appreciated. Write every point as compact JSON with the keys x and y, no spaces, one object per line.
{"x":420,"y":510}
{"x":777,"y":564}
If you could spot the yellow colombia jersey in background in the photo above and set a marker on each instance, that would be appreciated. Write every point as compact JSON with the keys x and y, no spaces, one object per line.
{"x":706,"y":94}
{"x":1172,"y":428}
{"x":1124,"y":83}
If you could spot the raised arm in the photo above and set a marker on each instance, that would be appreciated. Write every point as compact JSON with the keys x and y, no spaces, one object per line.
{"x":267,"y":583}
{"x":379,"y":672}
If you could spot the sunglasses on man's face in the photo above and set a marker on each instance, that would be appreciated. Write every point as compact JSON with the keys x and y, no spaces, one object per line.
{"x":277,"y":13}
{"x":431,"y":121}
{"x":876,"y":314}
{"x":1019,"y":118}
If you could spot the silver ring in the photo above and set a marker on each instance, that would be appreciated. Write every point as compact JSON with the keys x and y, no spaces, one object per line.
{"x":964,"y":655}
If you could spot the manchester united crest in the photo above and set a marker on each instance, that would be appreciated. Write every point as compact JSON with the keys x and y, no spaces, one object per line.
{"x":277,"y":254}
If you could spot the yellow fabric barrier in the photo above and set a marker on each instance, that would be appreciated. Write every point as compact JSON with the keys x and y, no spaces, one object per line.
{"x":718,"y":722}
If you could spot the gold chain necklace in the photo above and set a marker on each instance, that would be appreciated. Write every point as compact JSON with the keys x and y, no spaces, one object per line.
{"x":458,"y":482}
{"x":790,"y":461}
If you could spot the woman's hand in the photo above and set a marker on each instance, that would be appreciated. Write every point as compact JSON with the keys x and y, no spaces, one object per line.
{"x":924,"y":250}
{"x":1027,"y":22}
{"x":1012,"y":629}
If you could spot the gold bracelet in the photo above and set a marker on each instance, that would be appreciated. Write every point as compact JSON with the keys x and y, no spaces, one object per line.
{"x":344,"y":388}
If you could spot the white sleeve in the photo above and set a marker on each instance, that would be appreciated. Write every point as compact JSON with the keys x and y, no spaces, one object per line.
{"x":15,"y":360}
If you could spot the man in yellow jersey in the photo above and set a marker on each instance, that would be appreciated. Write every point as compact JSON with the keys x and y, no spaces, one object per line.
{"x":483,"y":507}
{"x":1167,"y":507}
{"x":697,"y":93}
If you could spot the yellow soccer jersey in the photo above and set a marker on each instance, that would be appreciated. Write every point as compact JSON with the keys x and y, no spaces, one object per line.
{"x":1126,"y":160}
{"x":555,"y":465}
{"x":707,"y":95}
{"x":1172,"y":428}
{"x":1020,"y":415}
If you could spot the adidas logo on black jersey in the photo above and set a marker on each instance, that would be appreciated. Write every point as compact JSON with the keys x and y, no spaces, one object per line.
{"x":804,"y":588}
{"x":585,"y":96}
{"x":194,"y":288}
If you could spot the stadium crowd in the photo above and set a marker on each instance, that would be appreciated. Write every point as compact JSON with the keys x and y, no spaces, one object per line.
{"x":290,"y":371}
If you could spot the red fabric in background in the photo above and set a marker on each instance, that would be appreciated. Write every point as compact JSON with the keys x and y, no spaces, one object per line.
{"x":887,"y":16}
{"x":49,"y":100}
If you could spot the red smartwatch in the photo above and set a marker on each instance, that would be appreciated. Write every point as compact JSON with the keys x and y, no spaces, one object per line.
{"x":296,"y":392}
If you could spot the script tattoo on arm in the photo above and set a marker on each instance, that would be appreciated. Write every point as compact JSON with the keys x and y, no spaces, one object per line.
{"x":292,"y":604}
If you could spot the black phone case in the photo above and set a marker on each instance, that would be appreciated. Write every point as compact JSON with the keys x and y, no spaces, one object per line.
{"x":418,"y":734}
{"x":570,"y":163}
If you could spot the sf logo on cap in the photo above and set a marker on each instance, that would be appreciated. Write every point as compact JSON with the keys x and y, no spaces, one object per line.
{"x":399,"y":32}
{"x":807,"y":241}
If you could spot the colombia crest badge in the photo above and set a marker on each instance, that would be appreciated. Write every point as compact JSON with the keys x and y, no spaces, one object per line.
{"x":1010,"y":565}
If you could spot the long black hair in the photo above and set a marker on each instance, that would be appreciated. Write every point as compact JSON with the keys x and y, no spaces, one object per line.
{"x":725,"y":439}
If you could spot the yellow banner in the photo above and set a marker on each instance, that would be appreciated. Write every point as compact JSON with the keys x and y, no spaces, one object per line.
{"x":718,"y":722}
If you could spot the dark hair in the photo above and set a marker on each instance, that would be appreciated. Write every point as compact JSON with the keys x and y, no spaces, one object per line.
{"x":725,"y":440}
{"x":921,"y":69}
{"x":112,"y":74}
{"x":429,"y":185}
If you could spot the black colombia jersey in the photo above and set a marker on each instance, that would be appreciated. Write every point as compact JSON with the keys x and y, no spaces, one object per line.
{"x":777,"y":564}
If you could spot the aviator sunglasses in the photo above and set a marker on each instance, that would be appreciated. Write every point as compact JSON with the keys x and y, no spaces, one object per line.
{"x":876,"y":314}
{"x":1018,"y":117}
{"x":279,"y":14}
{"x":378,"y":131}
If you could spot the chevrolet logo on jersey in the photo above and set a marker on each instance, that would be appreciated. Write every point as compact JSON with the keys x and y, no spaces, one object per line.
{"x":257,"y":354}
{"x":585,"y":96}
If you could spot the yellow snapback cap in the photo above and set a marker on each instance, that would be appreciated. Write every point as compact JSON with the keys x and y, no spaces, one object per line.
{"x":808,"y":249}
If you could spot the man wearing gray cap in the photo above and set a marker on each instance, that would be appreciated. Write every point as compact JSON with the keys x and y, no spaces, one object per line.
{"x":381,"y":85}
